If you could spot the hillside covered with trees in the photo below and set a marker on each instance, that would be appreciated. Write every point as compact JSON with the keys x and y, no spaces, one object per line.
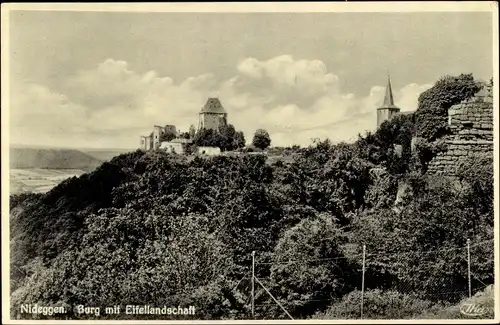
{"x":154,"y":228}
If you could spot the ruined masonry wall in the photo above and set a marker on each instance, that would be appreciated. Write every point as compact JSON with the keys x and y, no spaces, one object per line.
{"x":471,"y":121}
{"x":471,"y":124}
{"x":457,"y":151}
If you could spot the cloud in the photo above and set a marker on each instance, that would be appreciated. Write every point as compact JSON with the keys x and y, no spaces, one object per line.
{"x":111,"y":83}
{"x":111,"y":105}
{"x":251,"y":68}
{"x":284,"y":71}
{"x":47,"y":110}
{"x":407,"y":97}
{"x":292,"y":81}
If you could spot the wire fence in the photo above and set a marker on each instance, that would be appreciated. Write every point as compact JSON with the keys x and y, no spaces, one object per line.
{"x":438,"y":276}
{"x":359,"y":284}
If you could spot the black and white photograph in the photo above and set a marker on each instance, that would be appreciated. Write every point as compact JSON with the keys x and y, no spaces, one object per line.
{"x":321,"y":162}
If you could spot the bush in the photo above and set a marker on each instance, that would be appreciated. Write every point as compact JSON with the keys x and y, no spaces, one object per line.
{"x":433,"y":104}
{"x":307,"y":286}
{"x":484,"y":300}
{"x":378,"y":304}
{"x":425,"y":151}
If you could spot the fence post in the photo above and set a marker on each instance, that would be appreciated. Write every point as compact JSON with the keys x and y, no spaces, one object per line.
{"x":253,"y":284}
{"x":468,"y":266}
{"x":363,"y":281}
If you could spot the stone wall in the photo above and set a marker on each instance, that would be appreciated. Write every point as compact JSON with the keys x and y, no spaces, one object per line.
{"x":471,"y":121}
{"x":457,"y":151}
{"x":471,"y":124}
{"x":212,"y":120}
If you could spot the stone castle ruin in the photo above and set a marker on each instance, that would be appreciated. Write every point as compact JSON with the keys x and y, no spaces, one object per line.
{"x":212,"y":116}
{"x":471,"y":124}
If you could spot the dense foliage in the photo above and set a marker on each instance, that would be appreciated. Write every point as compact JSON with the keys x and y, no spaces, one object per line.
{"x":430,"y":120}
{"x":160,"y":229}
{"x":226,"y":138}
{"x":379,"y":304}
{"x":433,"y":103}
{"x":390,"y":145}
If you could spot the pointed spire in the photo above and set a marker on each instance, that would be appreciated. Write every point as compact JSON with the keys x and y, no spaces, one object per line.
{"x":388,"y":99}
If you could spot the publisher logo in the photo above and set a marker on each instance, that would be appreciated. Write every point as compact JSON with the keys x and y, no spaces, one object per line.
{"x":473,"y":310}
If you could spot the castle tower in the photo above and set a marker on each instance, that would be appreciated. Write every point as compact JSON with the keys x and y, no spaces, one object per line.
{"x":144,"y":141}
{"x":388,"y":109}
{"x":157,"y":132}
{"x":212,"y":115}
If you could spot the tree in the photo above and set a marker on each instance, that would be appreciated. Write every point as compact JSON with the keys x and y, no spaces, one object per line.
{"x":184,"y":135}
{"x":421,"y":247}
{"x":433,"y":104}
{"x":225,"y":137}
{"x":205,"y":138}
{"x":261,"y":139}
{"x":239,"y":140}
{"x":125,"y":257}
{"x":319,"y":270}
{"x":380,"y":147}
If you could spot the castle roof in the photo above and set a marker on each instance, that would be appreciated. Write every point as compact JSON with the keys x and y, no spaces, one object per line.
{"x":213,"y":105}
{"x":388,"y":98}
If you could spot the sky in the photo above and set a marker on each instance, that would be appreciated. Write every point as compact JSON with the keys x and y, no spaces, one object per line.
{"x":103,"y":79}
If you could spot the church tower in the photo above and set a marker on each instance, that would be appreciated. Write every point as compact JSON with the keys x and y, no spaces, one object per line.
{"x":388,"y":109}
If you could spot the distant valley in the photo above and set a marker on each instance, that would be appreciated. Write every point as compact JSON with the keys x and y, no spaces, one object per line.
{"x":38,"y":180}
{"x":38,"y":169}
